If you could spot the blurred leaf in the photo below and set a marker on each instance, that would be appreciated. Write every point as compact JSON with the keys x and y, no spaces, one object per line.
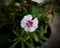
{"x":44,"y":38}
{"x":30,"y":45}
{"x":35,"y":36}
{"x":41,"y":42}
{"x":16,"y":33}
{"x":36,"y":11}
{"x":28,"y":37}
{"x":23,"y":45}
{"x":14,"y":44}
{"x":25,"y":10}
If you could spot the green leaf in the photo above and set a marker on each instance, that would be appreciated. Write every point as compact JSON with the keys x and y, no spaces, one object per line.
{"x":22,"y":45}
{"x":35,"y":36}
{"x":15,"y":33}
{"x":44,"y":38}
{"x":28,"y":37}
{"x":36,"y":11}
{"x":30,"y":45}
{"x":42,"y":31}
{"x":41,"y":42}
{"x":25,"y":10}
{"x":14,"y":44}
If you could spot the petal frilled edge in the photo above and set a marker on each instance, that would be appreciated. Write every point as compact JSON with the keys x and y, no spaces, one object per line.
{"x":25,"y":19}
{"x":35,"y":23}
{"x":32,"y":29}
{"x":38,"y":1}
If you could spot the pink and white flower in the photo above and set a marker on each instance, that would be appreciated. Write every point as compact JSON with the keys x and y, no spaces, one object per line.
{"x":38,"y":1}
{"x":28,"y":24}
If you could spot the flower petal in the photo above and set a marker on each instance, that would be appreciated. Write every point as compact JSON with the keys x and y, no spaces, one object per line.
{"x":35,"y":23}
{"x":26,"y":29}
{"x":35,"y":26}
{"x":31,"y":29}
{"x":23,"y":24}
{"x":38,"y":1}
{"x":27,"y":17}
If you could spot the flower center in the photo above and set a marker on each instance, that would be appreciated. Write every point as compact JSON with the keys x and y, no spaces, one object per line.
{"x":29,"y":23}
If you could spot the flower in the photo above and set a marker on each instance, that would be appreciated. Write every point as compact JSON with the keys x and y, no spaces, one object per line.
{"x":38,"y":1}
{"x":28,"y":24}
